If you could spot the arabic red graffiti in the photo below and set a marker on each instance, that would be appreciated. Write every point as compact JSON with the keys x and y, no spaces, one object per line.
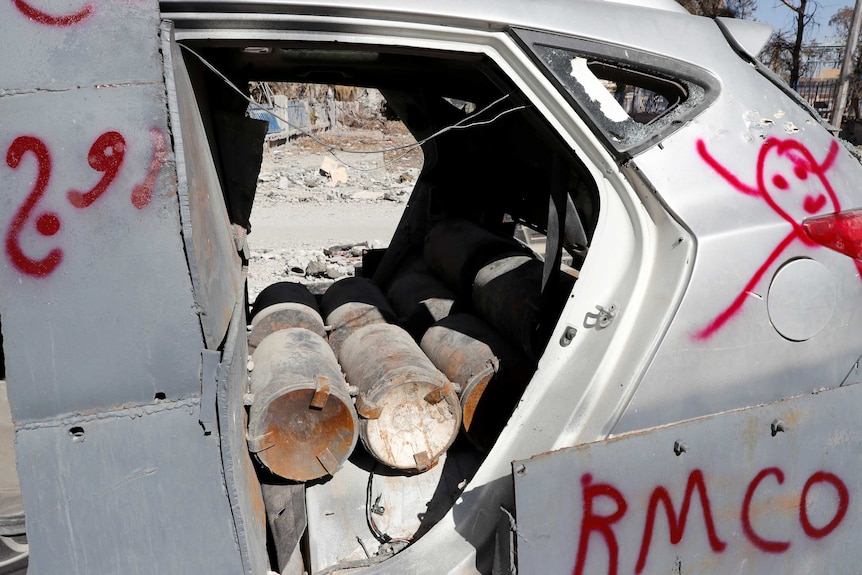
{"x":53,"y":20}
{"x":786,"y":172}
{"x":143,"y":193}
{"x":609,"y":498}
{"x":106,"y":155}
{"x":47,"y":224}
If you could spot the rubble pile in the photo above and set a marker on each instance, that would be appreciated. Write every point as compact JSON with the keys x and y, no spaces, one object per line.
{"x":305,"y":174}
{"x":311,"y":267}
{"x":340,"y":165}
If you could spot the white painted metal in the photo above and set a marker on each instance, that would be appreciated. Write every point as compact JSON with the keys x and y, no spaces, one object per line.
{"x":766,"y":489}
{"x":802,"y":299}
{"x":102,"y":334}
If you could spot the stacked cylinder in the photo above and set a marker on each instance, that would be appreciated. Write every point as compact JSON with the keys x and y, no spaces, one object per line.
{"x":471,"y":304}
{"x":492,"y":374}
{"x":409,"y":411}
{"x":302,"y":422}
{"x":490,"y":353}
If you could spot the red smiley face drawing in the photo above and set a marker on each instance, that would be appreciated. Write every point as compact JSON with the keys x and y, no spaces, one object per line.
{"x":794,"y":184}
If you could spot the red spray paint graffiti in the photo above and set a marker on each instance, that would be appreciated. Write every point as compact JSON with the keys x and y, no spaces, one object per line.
{"x":607,"y":497}
{"x":602,"y":524}
{"x":53,"y":20}
{"x":677,"y":524}
{"x":761,"y":543}
{"x":143,"y":193}
{"x":786,"y":169}
{"x":47,"y":224}
{"x":106,"y":155}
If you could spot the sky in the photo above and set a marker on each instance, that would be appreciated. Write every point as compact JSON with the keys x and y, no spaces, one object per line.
{"x":777,"y":15}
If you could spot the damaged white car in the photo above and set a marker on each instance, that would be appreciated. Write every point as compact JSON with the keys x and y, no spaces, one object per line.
{"x":623,"y":221}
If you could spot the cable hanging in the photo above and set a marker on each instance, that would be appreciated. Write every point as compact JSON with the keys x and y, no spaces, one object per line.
{"x":462,"y":124}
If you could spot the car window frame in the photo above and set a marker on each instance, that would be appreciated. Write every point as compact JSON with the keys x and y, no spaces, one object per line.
{"x":638,"y":61}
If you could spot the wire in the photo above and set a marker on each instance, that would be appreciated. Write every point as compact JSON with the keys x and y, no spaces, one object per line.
{"x":369,"y":515}
{"x":461,"y":124}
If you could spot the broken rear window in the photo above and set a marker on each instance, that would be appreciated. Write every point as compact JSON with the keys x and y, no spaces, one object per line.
{"x":633,"y":99}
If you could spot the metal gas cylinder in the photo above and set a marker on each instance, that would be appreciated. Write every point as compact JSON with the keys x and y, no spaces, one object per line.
{"x":351,"y":304}
{"x":492,"y":374}
{"x":419,"y":298}
{"x":302,"y":423}
{"x":409,"y":411}
{"x":283,"y":305}
{"x":456,"y":250}
{"x":507,"y":293}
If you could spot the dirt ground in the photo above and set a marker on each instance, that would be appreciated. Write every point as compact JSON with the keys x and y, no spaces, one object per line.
{"x":315,"y":195}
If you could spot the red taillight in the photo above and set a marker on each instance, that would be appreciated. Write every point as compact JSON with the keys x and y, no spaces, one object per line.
{"x":841,"y":232}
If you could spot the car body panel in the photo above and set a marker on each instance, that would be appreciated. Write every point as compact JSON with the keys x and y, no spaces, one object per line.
{"x":683,"y":305}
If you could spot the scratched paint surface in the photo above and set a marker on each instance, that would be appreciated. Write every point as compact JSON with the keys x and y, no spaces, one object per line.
{"x":737,"y":499}
{"x":92,"y":270}
{"x":76,"y":44}
{"x":101,"y":332}
{"x":121,"y":494}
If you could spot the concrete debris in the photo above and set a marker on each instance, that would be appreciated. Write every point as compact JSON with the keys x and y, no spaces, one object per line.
{"x":368,"y":195}
{"x":316,"y":267}
{"x":332,"y":169}
{"x":290,"y":176}
{"x":306,"y":266}
{"x":344,"y":196}
{"x":396,"y":196}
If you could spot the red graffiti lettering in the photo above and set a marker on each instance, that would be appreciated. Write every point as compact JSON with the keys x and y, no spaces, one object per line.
{"x":782,"y":167}
{"x":106,"y":155}
{"x":51,"y":20}
{"x":47,"y":224}
{"x":763,"y":544}
{"x":677,"y":525}
{"x":143,"y":193}
{"x":615,"y":505}
{"x":840,"y":512}
{"x":600,"y":523}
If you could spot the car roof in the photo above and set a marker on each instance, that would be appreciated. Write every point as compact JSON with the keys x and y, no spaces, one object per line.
{"x":482,"y":14}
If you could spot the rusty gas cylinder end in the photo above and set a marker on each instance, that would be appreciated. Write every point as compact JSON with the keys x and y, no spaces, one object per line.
{"x":407,"y":406}
{"x":302,"y":424}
